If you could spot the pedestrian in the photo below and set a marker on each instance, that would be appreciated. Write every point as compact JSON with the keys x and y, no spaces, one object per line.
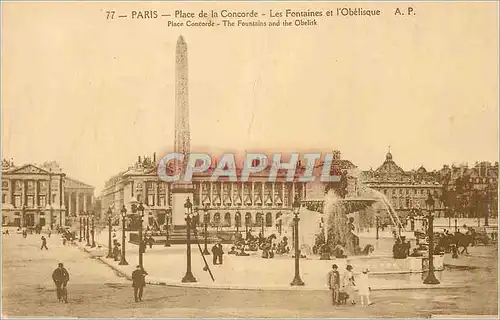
{"x":217,"y":253}
{"x":44,"y":243}
{"x":49,"y":232}
{"x":364,"y":288}
{"x":138,"y":282}
{"x":348,"y":283}
{"x":60,"y":276}
{"x":333,"y":282}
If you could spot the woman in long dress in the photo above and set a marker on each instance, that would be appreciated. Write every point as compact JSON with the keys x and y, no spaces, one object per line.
{"x":348,"y":283}
{"x":363,"y":284}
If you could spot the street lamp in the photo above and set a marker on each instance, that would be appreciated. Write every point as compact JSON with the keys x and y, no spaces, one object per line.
{"x":88,"y":229}
{"x":431,"y":278}
{"x":123,"y":211}
{"x":110,"y":250}
{"x":205,"y":225}
{"x":81,"y":229}
{"x":140,"y":208}
{"x":296,"y":208}
{"x":188,"y":277}
{"x":167,"y":235}
{"x":93,"y":229}
{"x":376,"y":227}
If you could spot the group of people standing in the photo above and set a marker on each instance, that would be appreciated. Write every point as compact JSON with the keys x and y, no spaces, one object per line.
{"x":343,"y":287}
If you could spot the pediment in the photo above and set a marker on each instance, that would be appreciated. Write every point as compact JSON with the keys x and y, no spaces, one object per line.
{"x":30,"y":169}
{"x":75,"y":184}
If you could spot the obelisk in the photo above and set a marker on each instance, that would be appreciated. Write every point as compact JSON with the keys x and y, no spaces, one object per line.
{"x":181,"y":190}
{"x":182,"y":136}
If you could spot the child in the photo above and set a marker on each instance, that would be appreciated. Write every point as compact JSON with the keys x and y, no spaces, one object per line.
{"x":364,"y":288}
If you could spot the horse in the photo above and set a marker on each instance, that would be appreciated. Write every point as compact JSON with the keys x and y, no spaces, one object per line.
{"x":462,"y":241}
{"x":367,"y":250}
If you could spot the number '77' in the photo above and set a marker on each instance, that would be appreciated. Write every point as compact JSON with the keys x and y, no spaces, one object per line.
{"x":110,"y":15}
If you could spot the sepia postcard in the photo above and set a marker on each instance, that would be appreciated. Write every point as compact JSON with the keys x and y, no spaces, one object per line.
{"x":244,"y":159}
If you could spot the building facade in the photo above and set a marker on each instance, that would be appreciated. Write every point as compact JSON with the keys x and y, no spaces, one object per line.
{"x":35,"y":195}
{"x":407,"y":191}
{"x":229,"y":204}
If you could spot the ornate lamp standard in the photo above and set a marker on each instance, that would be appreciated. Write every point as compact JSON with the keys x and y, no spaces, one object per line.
{"x":431,"y":278}
{"x":140,"y":208}
{"x":93,"y":229}
{"x":296,"y":208}
{"x":167,"y":234}
{"x":110,"y":250}
{"x":205,"y":225}
{"x":84,"y":224}
{"x":188,"y":277}
{"x":123,"y":211}
{"x":81,"y":228}
{"x":88,"y":228}
{"x":376,"y":227}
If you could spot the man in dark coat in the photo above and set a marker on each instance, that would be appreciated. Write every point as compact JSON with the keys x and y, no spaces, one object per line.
{"x":44,"y":243}
{"x":333,"y":282}
{"x":217,"y":253}
{"x":61,"y":278}
{"x":138,"y":282}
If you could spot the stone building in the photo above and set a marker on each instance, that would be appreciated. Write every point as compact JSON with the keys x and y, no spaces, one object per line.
{"x":251,"y":203}
{"x":406,"y":190}
{"x":471,"y":191}
{"x":39,"y":195}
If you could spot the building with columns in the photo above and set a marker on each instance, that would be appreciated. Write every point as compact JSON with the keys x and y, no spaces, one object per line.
{"x":407,"y":191}
{"x":250,"y":203}
{"x":37,"y":195}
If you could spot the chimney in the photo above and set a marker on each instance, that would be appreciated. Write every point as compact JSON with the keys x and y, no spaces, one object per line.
{"x":139,"y":159}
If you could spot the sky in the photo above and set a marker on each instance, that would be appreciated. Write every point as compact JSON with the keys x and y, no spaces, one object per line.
{"x":93,"y":94}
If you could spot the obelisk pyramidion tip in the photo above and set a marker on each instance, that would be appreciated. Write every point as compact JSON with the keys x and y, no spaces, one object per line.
{"x":181,"y":40}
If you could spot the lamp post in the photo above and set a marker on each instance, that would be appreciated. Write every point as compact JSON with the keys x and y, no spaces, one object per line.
{"x":431,"y":277}
{"x":140,"y":208}
{"x":296,"y":208}
{"x":88,"y":229}
{"x":188,"y":277}
{"x":81,"y":227}
{"x":93,"y":230}
{"x":123,"y":262}
{"x":376,"y":227}
{"x":110,"y":250}
{"x":447,"y":212}
{"x":167,"y":235}
{"x":488,"y":209}
{"x":205,"y":225}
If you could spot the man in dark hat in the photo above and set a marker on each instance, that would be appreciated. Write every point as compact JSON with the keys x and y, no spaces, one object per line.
{"x":138,"y":282}
{"x":333,"y":281}
{"x":60,"y":276}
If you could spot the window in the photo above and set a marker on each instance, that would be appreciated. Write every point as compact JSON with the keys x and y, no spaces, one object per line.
{"x":17,"y":201}
{"x":54,"y":198}
{"x":42,"y":201}
{"x":30,"y":201}
{"x":162,"y":201}
{"x":269,"y":219}
{"x":151,"y":200}
{"x":4,"y":197}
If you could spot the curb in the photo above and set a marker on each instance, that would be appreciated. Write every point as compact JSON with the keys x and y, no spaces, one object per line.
{"x":281,"y":288}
